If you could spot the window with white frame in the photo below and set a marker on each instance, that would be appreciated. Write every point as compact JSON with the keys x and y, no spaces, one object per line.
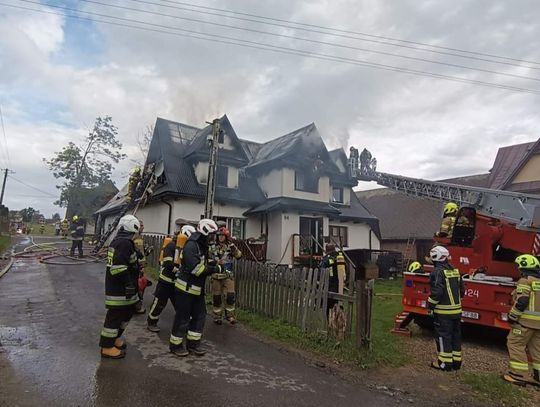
{"x":339,"y":234}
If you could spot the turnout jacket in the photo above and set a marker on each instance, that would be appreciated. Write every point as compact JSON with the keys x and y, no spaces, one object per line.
{"x":168,"y":272}
{"x":195,"y":265}
{"x":77,"y":231}
{"x":122,"y":273}
{"x":446,"y":290}
{"x":223,"y":254}
{"x":526,"y":302}
{"x":332,"y":261}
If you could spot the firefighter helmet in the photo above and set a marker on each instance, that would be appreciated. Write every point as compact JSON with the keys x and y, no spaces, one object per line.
{"x":439,"y":253}
{"x":129,"y":223}
{"x":75,"y":218}
{"x":136,"y":170}
{"x":528,"y":262}
{"x":187,"y":230}
{"x":450,"y":208}
{"x":224,"y":231}
{"x":415,"y":266}
{"x":207,"y":226}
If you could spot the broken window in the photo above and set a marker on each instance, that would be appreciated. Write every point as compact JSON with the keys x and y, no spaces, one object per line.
{"x":337,"y":195}
{"x":306,"y":181}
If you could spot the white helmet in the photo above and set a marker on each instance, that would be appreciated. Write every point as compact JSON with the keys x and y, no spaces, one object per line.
{"x":207,"y":226}
{"x":439,"y":253}
{"x":187,"y":230}
{"x":129,"y":223}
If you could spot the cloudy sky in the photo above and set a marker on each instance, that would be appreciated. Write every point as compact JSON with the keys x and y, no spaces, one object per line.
{"x":58,"y":73}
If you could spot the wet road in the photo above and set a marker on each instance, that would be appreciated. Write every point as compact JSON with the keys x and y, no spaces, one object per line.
{"x":50,"y":319}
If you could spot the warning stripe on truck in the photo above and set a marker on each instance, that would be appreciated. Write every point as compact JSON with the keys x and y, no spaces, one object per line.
{"x":536,"y":245}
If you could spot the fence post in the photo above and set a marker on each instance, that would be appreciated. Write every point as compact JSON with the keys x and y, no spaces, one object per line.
{"x":363,"y":301}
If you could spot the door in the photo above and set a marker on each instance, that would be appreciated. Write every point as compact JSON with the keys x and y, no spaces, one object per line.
{"x":311,"y":236}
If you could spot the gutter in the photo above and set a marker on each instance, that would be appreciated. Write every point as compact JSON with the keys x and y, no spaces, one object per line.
{"x":169,"y":217}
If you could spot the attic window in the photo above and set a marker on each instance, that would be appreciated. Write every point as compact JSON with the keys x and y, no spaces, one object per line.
{"x":306,"y":181}
{"x":221,"y":137}
{"x":337,"y":195}
{"x":222,"y":177}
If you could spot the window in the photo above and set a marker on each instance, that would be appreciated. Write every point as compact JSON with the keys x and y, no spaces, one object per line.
{"x":339,"y":234}
{"x":307,"y":182}
{"x":337,"y":195}
{"x":221,"y":137}
{"x":236,"y":226}
{"x":222,"y":176}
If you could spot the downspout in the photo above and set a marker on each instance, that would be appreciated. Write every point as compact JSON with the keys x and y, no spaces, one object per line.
{"x":370,"y":232}
{"x":170,"y":215}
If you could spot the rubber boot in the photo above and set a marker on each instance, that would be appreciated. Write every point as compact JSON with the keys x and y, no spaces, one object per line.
{"x":112,"y":353}
{"x":197,"y":350}
{"x":514,"y":380}
{"x":445,"y":367}
{"x":231,"y":319}
{"x":152,"y":327}
{"x":119,"y":343}
{"x":179,"y":350}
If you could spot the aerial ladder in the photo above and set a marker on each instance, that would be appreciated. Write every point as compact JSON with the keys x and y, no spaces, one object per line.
{"x":492,"y":228}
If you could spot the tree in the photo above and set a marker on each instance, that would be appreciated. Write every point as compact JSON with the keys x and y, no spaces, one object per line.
{"x":56,"y":217}
{"x":86,"y":166}
{"x":143,"y":142}
{"x":27,"y":214}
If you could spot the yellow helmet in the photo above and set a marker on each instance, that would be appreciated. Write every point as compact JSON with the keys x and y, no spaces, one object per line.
{"x":414,"y":266}
{"x":75,"y":218}
{"x":136,"y":170}
{"x":450,"y":207}
{"x":528,"y":262}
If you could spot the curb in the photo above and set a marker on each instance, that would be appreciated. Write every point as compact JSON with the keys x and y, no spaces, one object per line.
{"x":7,"y":267}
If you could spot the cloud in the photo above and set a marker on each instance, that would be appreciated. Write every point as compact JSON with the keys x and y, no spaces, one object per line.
{"x":414,"y":125}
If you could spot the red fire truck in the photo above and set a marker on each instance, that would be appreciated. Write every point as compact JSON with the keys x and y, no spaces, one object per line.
{"x":492,"y":228}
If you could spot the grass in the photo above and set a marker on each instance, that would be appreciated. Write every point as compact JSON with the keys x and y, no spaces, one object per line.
{"x":5,"y":242}
{"x":48,"y":231}
{"x":387,"y":349}
{"x":490,"y":387}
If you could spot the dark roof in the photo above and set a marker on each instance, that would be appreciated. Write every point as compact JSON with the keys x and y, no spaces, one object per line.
{"x":115,"y":202}
{"x":251,"y":148}
{"x":506,"y":163}
{"x":402,"y":216}
{"x":179,"y":174}
{"x":283,"y":203}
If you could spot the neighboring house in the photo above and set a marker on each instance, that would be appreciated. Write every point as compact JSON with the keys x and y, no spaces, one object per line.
{"x":290,"y":193}
{"x":408,"y":223}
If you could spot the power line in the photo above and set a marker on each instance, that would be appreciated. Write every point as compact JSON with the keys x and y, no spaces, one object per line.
{"x":273,"y":48}
{"x":305,"y":39}
{"x":5,"y":138}
{"x":337,"y":30}
{"x":32,"y":187}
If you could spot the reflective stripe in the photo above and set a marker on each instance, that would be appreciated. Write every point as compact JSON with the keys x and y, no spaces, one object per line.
{"x":194,"y":336}
{"x":175,"y":340}
{"x":117,"y":269}
{"x":457,"y":356}
{"x":109,"y":332}
{"x":523,"y":288}
{"x":182,"y":286}
{"x":432,"y":301}
{"x":519,"y":366}
{"x":516,"y":331}
{"x":442,"y":306}
{"x":229,"y":309}
{"x":166,"y":279}
{"x":120,"y":300}
{"x":152,"y":308}
{"x":446,"y":359}
{"x":447,"y":312}
{"x":451,"y":273}
{"x":198,"y":270}
{"x":536,"y":366}
{"x":535,"y":285}
{"x":169,"y":258}
{"x":530,"y":315}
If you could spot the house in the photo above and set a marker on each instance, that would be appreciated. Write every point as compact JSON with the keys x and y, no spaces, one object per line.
{"x":290,"y":193}
{"x":408,"y":223}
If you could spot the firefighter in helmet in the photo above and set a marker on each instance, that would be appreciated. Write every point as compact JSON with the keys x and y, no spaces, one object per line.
{"x":444,"y":304}
{"x":334,"y":262}
{"x":170,"y":262}
{"x":449,"y":220}
{"x":224,"y":251}
{"x":142,"y":251}
{"x":64,"y":226}
{"x":133,"y":183}
{"x":77,"y":236}
{"x":120,"y":288}
{"x":189,"y":301}
{"x":524,"y":320}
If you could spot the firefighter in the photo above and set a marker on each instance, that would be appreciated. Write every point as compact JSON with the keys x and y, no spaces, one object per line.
{"x":133,"y":183}
{"x":524,"y":320}
{"x":224,"y":251}
{"x":41,"y":228}
{"x":65,"y":228}
{"x":416,"y":267}
{"x":169,"y":266}
{"x":449,"y":220}
{"x":143,"y":282}
{"x":120,"y":288}
{"x":189,"y":301}
{"x":444,"y":304}
{"x":77,"y":236}
{"x":331,"y":261}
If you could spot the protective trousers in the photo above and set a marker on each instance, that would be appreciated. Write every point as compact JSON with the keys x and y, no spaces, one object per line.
{"x":220,"y":287}
{"x":76,"y":244}
{"x":188,"y":321}
{"x":448,"y":340}
{"x":333,"y":287}
{"x":163,"y":293}
{"x":519,"y":340}
{"x":116,"y":321}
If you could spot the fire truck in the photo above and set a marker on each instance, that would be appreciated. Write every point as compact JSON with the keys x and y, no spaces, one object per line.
{"x":492,"y":228}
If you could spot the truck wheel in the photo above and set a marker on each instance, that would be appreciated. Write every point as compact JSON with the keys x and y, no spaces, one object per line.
{"x":423,"y":321}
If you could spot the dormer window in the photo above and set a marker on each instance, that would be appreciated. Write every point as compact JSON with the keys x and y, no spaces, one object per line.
{"x":222,"y":176}
{"x":221,"y":137}
{"x":305,"y":181}
{"x":337,"y":195}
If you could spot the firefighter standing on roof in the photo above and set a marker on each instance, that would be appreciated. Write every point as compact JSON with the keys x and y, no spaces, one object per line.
{"x":170,"y":263}
{"x":224,"y":251}
{"x":121,"y":293}
{"x":77,"y":236}
{"x":189,"y":301}
{"x":449,"y":220}
{"x":524,"y":319}
{"x":444,"y":304}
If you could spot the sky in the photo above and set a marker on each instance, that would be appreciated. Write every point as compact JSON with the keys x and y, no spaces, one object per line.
{"x":58,"y":73}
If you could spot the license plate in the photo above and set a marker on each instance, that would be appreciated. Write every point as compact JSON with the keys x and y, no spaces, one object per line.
{"x":470,"y":315}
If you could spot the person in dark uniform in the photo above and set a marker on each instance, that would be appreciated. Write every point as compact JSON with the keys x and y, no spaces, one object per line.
{"x":77,"y":236}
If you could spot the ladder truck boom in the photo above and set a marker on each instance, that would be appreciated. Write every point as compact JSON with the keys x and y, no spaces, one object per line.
{"x":521,"y":209}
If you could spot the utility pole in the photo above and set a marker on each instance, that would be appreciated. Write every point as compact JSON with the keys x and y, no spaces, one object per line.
{"x":212,"y":166}
{"x":4,"y":186}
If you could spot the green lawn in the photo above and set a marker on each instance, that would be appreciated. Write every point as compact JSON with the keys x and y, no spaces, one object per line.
{"x":48,"y":231}
{"x":5,"y":242}
{"x":490,"y":387}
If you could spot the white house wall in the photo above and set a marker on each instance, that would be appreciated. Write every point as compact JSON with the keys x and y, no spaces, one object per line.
{"x":272,"y":183}
{"x":154,"y":217}
{"x":288,"y":188}
{"x":274,"y":250}
{"x":358,"y":235}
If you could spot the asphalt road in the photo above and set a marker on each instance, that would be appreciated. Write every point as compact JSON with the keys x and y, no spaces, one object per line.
{"x":50,"y":320}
